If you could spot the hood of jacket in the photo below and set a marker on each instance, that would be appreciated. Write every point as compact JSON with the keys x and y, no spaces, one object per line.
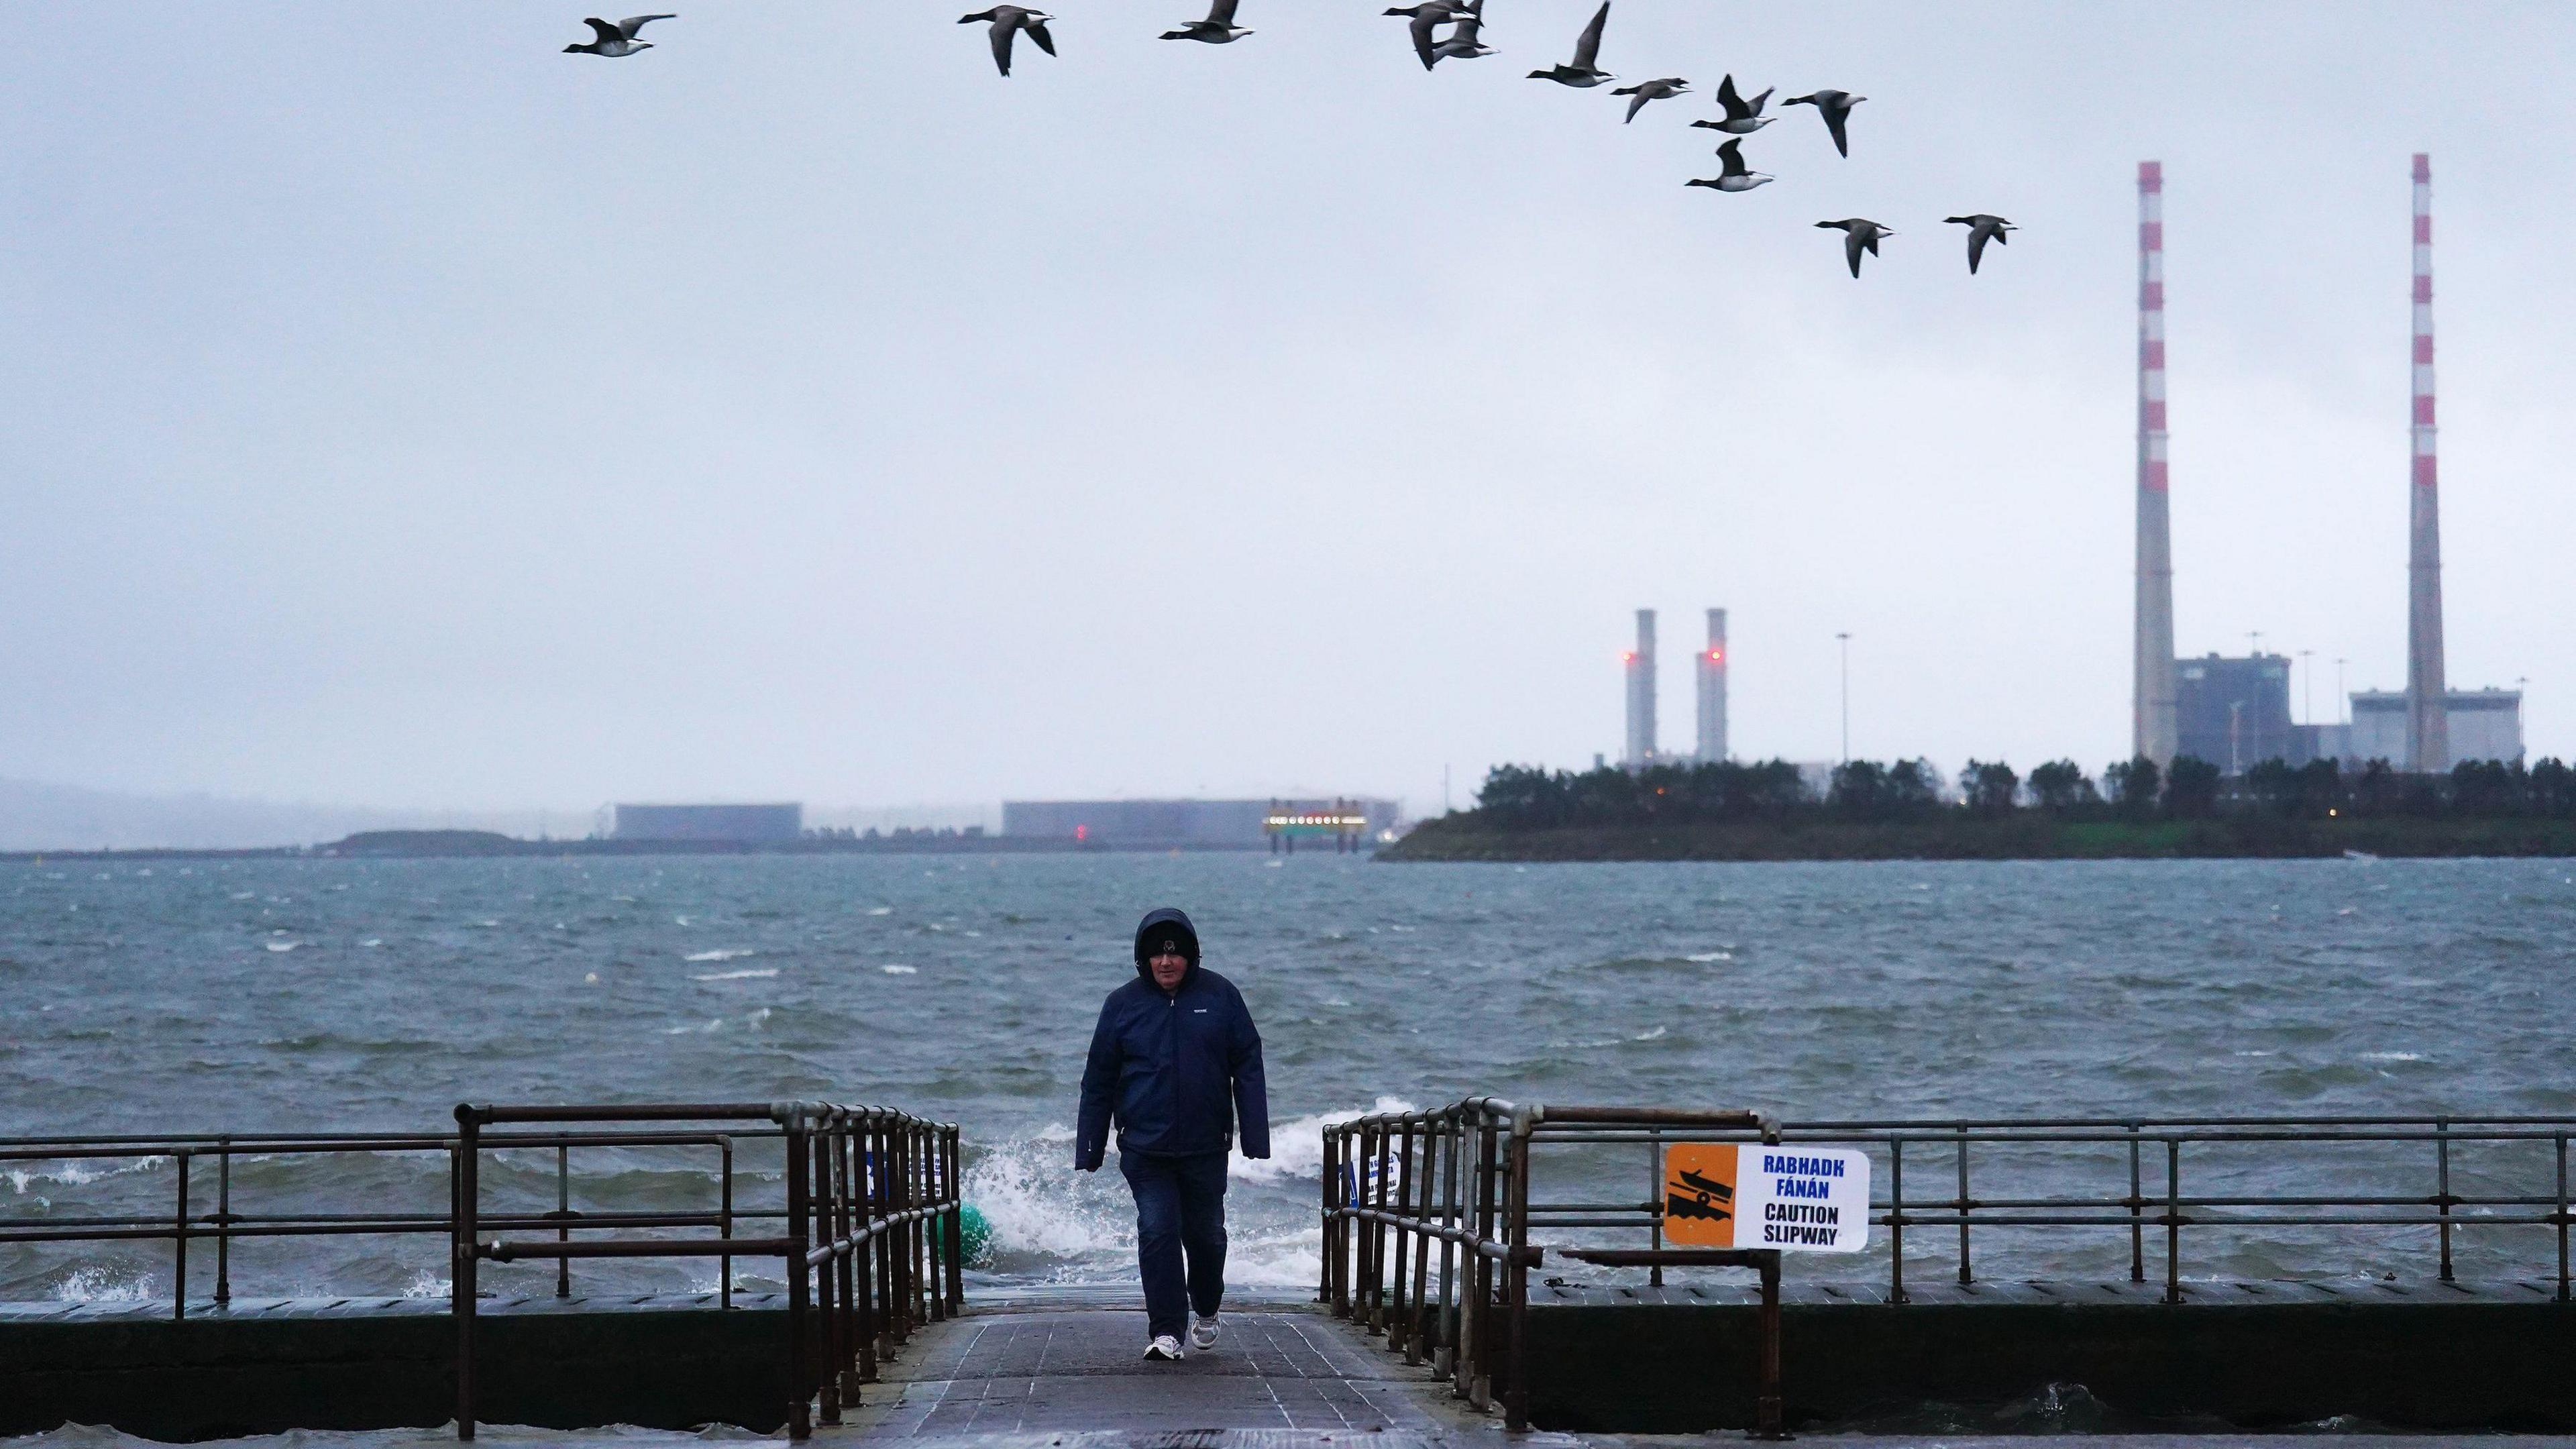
{"x":1163,"y":924}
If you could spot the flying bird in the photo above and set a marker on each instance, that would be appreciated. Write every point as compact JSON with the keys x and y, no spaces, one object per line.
{"x":1653,"y":90}
{"x":1583,"y":73}
{"x":1218,"y":29}
{"x":1835,"y":107}
{"x":1859,"y":235}
{"x":1736,"y":176}
{"x":1982,"y":228}
{"x":1743,"y":117}
{"x":1428,"y":17}
{"x":1008,"y":21}
{"x":1466,"y":40}
{"x":615,"y":40}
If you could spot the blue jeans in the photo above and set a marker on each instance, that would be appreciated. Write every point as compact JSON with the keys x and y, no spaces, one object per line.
{"x":1180,"y":1212}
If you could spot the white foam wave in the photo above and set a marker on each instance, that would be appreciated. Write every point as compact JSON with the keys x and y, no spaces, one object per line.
{"x":76,"y":1174}
{"x":1705,"y":957}
{"x":2392,"y":1056}
{"x":719,"y":955}
{"x":754,"y":973}
{"x":1037,"y":1204}
{"x":882,"y":911}
{"x":282,"y":947}
{"x":104,"y":1285}
{"x":1654,"y":1034}
{"x":1297,"y":1146}
{"x":900,"y":970}
{"x":425,"y":1284}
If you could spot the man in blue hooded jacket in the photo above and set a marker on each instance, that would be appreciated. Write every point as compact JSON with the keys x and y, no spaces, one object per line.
{"x":1176,"y":1063}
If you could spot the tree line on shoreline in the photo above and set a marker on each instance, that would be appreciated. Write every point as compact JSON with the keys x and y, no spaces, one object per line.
{"x":1525,"y":797}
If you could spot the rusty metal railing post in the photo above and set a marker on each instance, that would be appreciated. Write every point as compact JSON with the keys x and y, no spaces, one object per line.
{"x":462,"y":1263}
{"x":1965,"y":1276}
{"x":1516,"y":1273}
{"x":1445,"y":1360}
{"x":889,"y":1275}
{"x":1896,"y":1218}
{"x":1767,"y":1412}
{"x":956,"y":1219}
{"x":1399,"y":1324}
{"x":800,"y":1397}
{"x":928,"y":1283}
{"x":1487,"y":1189}
{"x":179,"y":1243}
{"x":563,"y":1217}
{"x":724,"y":1224}
{"x":1422,"y":1326}
{"x":1329,"y":1223}
{"x":2562,"y":1217}
{"x":223,"y":1221}
{"x":849,"y":1234}
{"x":1655,"y":1203}
{"x":2137,"y":1213}
{"x":827,"y":1276}
{"x":2442,"y":1186}
{"x":2173,"y":1220}
{"x":865,"y":1257}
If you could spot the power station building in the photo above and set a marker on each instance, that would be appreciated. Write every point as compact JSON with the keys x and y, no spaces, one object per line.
{"x":1180,"y":824}
{"x":2480,"y":724}
{"x":2234,"y":712}
{"x":710,"y":824}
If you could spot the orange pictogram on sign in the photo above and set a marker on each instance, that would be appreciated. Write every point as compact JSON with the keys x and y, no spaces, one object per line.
{"x":1699,"y":1194}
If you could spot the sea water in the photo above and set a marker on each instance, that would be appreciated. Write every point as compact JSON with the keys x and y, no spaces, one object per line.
{"x":325,"y":995}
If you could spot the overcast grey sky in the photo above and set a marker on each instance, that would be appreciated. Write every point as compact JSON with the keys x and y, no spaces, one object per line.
{"x":401,"y":411}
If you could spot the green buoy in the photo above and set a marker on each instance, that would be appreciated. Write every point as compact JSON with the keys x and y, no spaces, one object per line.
{"x":978,"y":1235}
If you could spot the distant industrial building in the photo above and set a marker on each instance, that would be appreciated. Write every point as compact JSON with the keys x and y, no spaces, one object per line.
{"x":2234,"y":713}
{"x":2479,"y":724}
{"x":711,"y":824}
{"x":1182,"y":824}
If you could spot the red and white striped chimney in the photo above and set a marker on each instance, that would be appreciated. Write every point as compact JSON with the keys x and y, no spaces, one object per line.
{"x":2428,"y":736}
{"x":2154,"y":728}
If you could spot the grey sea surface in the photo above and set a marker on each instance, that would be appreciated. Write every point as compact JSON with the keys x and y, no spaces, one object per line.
{"x":343,"y":996}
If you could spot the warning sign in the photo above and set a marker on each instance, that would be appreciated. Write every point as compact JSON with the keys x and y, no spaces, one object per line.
{"x":1796,"y":1199}
{"x":1699,"y":1194}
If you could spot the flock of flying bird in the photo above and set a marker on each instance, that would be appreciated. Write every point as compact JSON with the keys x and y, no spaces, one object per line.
{"x":1464,"y":40}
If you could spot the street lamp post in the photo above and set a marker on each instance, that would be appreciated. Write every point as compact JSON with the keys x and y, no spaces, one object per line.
{"x":1845,"y":641}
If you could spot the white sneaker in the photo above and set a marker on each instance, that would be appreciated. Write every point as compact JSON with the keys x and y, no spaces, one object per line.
{"x":1203,"y":1333}
{"x":1164,"y":1348}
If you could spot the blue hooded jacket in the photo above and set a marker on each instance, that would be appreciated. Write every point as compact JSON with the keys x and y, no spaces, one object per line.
{"x":1178,"y":1072}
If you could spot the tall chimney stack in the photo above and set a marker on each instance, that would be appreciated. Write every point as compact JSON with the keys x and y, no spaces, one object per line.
{"x":1641,"y":694}
{"x":2154,"y":728}
{"x":1712,"y":691}
{"x":2428,"y":725}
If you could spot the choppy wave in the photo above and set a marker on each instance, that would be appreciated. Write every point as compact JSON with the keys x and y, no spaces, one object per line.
{"x":748,"y":973}
{"x":703,"y":956}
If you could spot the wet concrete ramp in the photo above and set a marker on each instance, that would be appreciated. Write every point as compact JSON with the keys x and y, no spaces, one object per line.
{"x":1077,"y":1374}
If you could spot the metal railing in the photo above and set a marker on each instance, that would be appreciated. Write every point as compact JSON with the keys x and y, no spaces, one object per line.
{"x":870,"y":1216}
{"x":1455,"y":1181}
